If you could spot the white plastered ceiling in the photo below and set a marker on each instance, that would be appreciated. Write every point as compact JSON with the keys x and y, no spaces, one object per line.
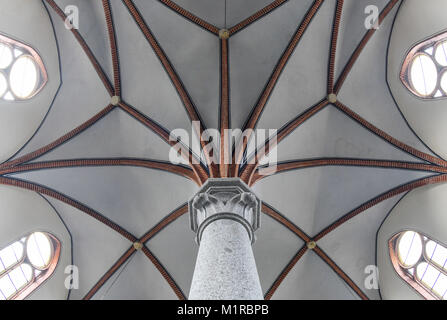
{"x":421,"y":210}
{"x":415,"y":23}
{"x":137,"y":199}
{"x":20,"y":120}
{"x":24,"y":212}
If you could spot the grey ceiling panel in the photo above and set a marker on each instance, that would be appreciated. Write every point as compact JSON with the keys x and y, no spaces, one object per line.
{"x":194,"y":53}
{"x":105,"y":246}
{"x":116,"y":135}
{"x":352,"y":29}
{"x":129,"y":196}
{"x":137,"y":199}
{"x":93,"y":28}
{"x":217,"y":12}
{"x":312,"y":278}
{"x":108,"y":285}
{"x":314,"y":198}
{"x":275,"y":246}
{"x":303,"y":81}
{"x":145,"y":83}
{"x":330,"y":133}
{"x":366,"y":92}
{"x":20,"y":120}
{"x":139,"y":280}
{"x":176,"y":249}
{"x":80,"y":97}
{"x":353,"y":244}
{"x":255,"y":51}
{"x":212,"y":11}
{"x":237,"y":11}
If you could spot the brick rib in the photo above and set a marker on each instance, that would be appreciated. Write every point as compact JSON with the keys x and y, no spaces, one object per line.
{"x":200,"y":173}
{"x":285,"y":272}
{"x":361,"y":46}
{"x":61,"y":197}
{"x":109,"y":273}
{"x":274,"y":214}
{"x":183,"y":94}
{"x":256,"y":16}
{"x":404,"y":147}
{"x":259,"y":107}
{"x":85,"y":47}
{"x":191,"y":17}
{"x":340,"y":273}
{"x":389,"y":194}
{"x":39,"y":152}
{"x":224,"y":108}
{"x":301,"y":164}
{"x":113,"y":46}
{"x":164,"y":223}
{"x":178,"y":292}
{"x":144,"y":163}
{"x":249,"y":171}
{"x":268,"y":210}
{"x":334,"y":40}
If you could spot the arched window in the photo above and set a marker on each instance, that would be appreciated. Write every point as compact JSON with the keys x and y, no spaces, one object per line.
{"x":22,"y":73}
{"x":421,"y":262}
{"x":424,"y":71}
{"x":26,"y":263}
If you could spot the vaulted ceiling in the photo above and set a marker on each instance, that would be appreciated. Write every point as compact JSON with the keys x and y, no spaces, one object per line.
{"x":308,"y":68}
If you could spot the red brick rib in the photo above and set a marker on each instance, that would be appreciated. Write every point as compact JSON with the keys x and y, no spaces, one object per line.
{"x":85,"y":47}
{"x":113,"y":46}
{"x":285,"y":272}
{"x":259,"y":107}
{"x":390,"y":139}
{"x":144,"y":163}
{"x":361,"y":46}
{"x":125,"y":257}
{"x":301,"y":164}
{"x":389,"y":194}
{"x":184,"y":96}
{"x":335,"y":31}
{"x":268,"y":210}
{"x":340,"y":273}
{"x":201,"y":174}
{"x":188,"y":15}
{"x":39,"y":152}
{"x":178,"y":292}
{"x":256,"y":16}
{"x":250,"y":169}
{"x":61,"y":197}
{"x":224,"y":108}
{"x":164,"y":223}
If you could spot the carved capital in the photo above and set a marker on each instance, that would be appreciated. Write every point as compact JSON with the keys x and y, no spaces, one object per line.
{"x":225,"y":199}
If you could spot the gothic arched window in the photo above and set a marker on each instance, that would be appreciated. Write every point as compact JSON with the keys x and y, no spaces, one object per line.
{"x":26,"y":263}
{"x":421,"y":262}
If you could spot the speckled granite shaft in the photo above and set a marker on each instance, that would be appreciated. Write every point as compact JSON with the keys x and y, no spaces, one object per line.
{"x":225,"y":267}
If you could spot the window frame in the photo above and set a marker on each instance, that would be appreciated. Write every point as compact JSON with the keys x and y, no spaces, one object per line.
{"x":36,"y":58}
{"x":46,"y":272}
{"x":419,"y":49}
{"x":402,"y":270}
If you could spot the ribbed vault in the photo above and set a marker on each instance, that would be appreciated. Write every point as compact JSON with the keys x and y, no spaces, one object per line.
{"x":287,"y":64}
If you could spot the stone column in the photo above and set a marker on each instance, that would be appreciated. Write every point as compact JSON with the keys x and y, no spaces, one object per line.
{"x":224,"y":215}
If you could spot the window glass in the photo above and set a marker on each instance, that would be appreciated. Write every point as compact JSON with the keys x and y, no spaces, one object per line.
{"x":28,"y":261}
{"x":422,"y":262}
